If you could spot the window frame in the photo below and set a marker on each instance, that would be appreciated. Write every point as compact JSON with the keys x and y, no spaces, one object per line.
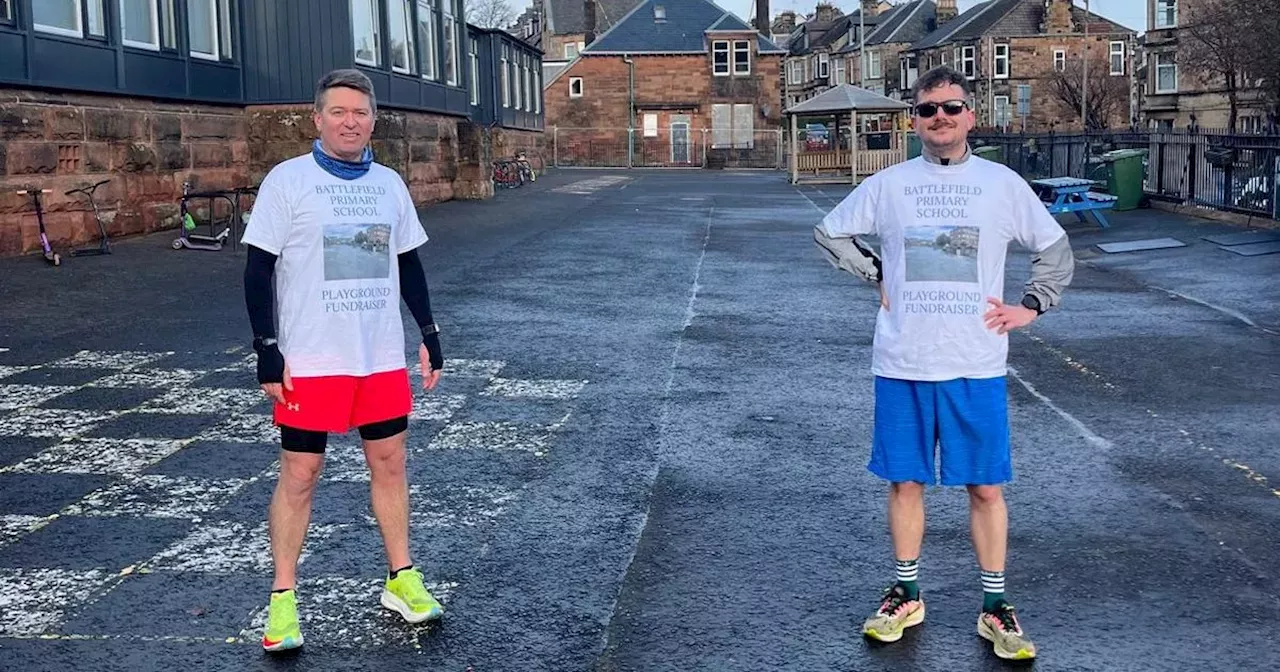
{"x":995,"y":111}
{"x":718,"y":47}
{"x":581,"y":87}
{"x":449,"y":27}
{"x":428,"y":56}
{"x":1168,"y":9}
{"x":503,"y":75}
{"x":156,"y":36}
{"x":650,"y":130}
{"x":997,"y":59}
{"x":1056,"y":54}
{"x":375,"y":10}
{"x":78,"y":32}
{"x":876,"y":72}
{"x":6,"y":18}
{"x":215,"y":32}
{"x":1173,"y":64}
{"x":823,"y":70}
{"x":969,"y":62}
{"x":1112,"y":54}
{"x":473,"y":62}
{"x":745,"y":47}
{"x":410,"y":27}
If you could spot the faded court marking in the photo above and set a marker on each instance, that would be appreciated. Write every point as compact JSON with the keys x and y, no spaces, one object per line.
{"x":88,"y":359}
{"x":188,"y":401}
{"x":33,"y":601}
{"x":499,"y":436}
{"x":52,"y":422}
{"x":452,"y":506}
{"x":98,"y":456}
{"x":13,"y":527}
{"x":149,"y":378}
{"x":583,"y":187}
{"x":534,"y":389}
{"x":158,"y":496}
{"x":231,"y":548}
{"x":6,"y":371}
{"x":436,"y":407}
{"x":13,"y":397}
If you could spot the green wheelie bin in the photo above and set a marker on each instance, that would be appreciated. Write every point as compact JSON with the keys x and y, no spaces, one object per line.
{"x":990,"y":153}
{"x":1125,"y":177}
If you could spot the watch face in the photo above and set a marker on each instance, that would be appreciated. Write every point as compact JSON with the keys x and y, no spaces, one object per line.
{"x":1031,"y":302}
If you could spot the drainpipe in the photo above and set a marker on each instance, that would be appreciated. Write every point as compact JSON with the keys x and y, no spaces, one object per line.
{"x":631,"y":108}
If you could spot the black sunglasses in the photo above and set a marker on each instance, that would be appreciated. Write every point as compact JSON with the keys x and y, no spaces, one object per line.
{"x":951,"y":107}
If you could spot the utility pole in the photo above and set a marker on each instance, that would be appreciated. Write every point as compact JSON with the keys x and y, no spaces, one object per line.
{"x":1084,"y":82}
{"x":862,"y":47}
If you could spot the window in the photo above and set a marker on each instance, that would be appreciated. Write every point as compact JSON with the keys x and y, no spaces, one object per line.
{"x":967,"y":64}
{"x":731,"y":126}
{"x":1166,"y":13}
{"x":528,"y":84}
{"x":1166,"y":73}
{"x":741,"y":57}
{"x":450,"y":44}
{"x":570,"y":51}
{"x":427,"y":39}
{"x":1060,"y":59}
{"x":517,"y":90}
{"x":400,"y":32}
{"x":6,"y":11}
{"x":1001,"y":111}
{"x":208,"y":28}
{"x":364,"y":31}
{"x":1000,"y":61}
{"x":796,"y":72}
{"x":873,"y":65}
{"x":537,"y":88}
{"x":1117,"y":58}
{"x":168,"y":25}
{"x":62,"y":17}
{"x":139,"y":25}
{"x":575,"y":87}
{"x":473,"y":76}
{"x":502,"y":76}
{"x":650,"y":125}
{"x":824,"y":64}
{"x":720,"y":57}
{"x":838,"y":71}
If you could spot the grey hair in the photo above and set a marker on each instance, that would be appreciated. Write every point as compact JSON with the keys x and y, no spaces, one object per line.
{"x":349,"y":78}
{"x":943,"y":75}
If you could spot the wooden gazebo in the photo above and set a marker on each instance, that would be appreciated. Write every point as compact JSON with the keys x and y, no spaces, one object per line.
{"x":842,"y":104}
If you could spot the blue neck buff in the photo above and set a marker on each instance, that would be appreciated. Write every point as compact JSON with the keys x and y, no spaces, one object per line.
{"x":346,"y":170}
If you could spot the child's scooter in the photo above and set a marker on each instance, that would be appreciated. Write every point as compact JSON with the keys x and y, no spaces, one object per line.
{"x":104,"y":245}
{"x":195,"y":241}
{"x":49,"y":255}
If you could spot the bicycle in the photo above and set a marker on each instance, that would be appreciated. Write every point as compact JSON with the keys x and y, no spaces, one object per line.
{"x":525,"y":171}
{"x":506,"y":174}
{"x":104,"y":246}
{"x":49,"y":255}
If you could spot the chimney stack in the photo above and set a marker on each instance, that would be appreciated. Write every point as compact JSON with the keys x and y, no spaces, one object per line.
{"x":784,"y":24}
{"x":1057,"y":18}
{"x":589,"y":21}
{"x":762,"y":17}
{"x":946,"y":11}
{"x":870,"y":8}
{"x":826,"y":13}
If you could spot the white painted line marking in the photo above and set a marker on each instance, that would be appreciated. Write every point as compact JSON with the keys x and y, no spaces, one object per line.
{"x":1088,"y":434}
{"x":501,"y":436}
{"x":149,"y":378}
{"x":203,"y":400}
{"x":244,"y":428}
{"x":6,"y":371}
{"x":14,"y":527}
{"x":535,"y":389}
{"x":465,"y":506}
{"x":230,"y":548}
{"x":13,"y":397}
{"x":32,"y":601}
{"x":1225,"y":311}
{"x":88,"y":359}
{"x":158,"y":496}
{"x":52,"y":422}
{"x":4,"y":349}
{"x":98,"y":456}
{"x":436,"y":406}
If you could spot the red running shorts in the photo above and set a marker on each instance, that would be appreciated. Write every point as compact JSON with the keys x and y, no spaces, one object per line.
{"x":337,"y":404}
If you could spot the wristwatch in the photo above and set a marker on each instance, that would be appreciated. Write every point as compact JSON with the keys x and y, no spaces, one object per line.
{"x":1030,"y":301}
{"x":259,"y":344}
{"x":430,"y":329}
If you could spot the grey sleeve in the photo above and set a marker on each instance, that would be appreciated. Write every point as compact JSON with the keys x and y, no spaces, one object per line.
{"x":1051,"y":272}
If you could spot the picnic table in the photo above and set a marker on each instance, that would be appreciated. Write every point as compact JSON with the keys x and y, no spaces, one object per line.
{"x":1072,"y":194}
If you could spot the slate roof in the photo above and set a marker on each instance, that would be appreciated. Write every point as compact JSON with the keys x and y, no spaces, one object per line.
{"x":1007,"y":18}
{"x":906,"y":22}
{"x":823,"y":34}
{"x":681,"y":32}
{"x":847,"y":97}
{"x":567,"y":17}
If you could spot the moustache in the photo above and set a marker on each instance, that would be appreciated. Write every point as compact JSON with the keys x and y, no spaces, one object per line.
{"x":941,"y":125}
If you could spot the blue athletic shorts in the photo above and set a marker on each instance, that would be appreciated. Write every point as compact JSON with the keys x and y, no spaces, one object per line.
{"x":968,"y":418}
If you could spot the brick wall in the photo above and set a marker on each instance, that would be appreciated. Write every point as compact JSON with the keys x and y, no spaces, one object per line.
{"x":667,"y":85}
{"x":553,"y":45}
{"x":148,"y":149}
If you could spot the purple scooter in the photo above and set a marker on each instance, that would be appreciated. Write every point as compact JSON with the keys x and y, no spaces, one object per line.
{"x":49,"y":255}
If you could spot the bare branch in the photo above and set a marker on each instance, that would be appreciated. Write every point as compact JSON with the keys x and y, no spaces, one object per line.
{"x":490,"y":13}
{"x":1108,"y":95}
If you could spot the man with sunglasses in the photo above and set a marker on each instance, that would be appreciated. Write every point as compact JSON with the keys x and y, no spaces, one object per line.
{"x":944,"y":221}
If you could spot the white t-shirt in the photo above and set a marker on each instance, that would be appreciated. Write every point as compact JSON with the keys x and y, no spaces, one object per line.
{"x":337,"y":279}
{"x":944,"y":232}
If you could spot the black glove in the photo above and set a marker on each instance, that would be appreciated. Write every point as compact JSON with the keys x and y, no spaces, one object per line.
{"x":432,"y":341}
{"x":270,"y":363}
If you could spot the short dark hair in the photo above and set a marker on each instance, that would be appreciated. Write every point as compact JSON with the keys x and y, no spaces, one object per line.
{"x":943,"y":75}
{"x":348,"y":78}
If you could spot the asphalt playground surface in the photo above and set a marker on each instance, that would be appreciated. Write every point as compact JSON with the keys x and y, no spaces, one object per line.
{"x":647,"y":453}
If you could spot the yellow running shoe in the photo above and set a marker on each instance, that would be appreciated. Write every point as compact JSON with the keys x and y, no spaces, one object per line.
{"x":895,"y":615}
{"x":406,"y":595}
{"x":1000,"y":627}
{"x":282,"y":631}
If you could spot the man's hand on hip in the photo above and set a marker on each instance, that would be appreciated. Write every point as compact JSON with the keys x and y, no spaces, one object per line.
{"x":431,"y":359}
{"x":1005,"y":318}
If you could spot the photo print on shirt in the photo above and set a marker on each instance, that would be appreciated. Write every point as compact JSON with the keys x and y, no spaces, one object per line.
{"x":947,"y":253}
{"x":357,"y":251}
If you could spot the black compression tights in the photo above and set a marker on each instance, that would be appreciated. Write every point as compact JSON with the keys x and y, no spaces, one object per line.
{"x":309,"y":441}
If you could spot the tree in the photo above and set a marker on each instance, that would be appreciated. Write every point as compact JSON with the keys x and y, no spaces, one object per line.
{"x":489,"y":13}
{"x":1212,"y":48}
{"x":1258,"y":46}
{"x":1108,"y":94}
